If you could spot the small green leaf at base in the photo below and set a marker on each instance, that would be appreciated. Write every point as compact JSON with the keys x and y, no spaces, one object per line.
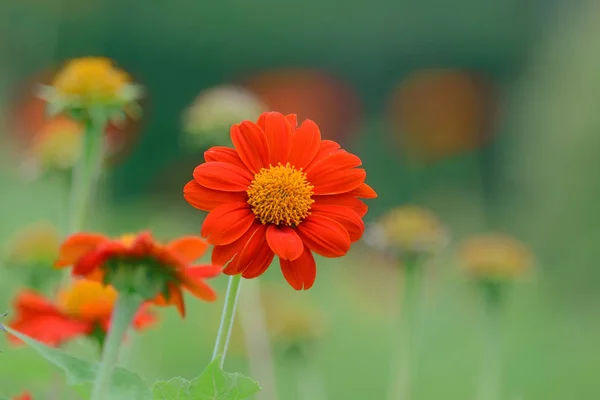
{"x":212,"y":384}
{"x":125,"y":384}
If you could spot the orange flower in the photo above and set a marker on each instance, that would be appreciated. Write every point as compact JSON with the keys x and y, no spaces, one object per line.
{"x":24,"y":396}
{"x":281,"y":191}
{"x":84,"y":309}
{"x":161,"y":271}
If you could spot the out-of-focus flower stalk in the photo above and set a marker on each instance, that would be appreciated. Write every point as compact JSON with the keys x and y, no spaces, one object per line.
{"x":491,"y":365}
{"x":256,"y":338}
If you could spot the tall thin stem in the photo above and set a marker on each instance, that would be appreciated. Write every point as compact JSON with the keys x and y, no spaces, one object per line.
{"x":490,"y":378}
{"x":86,"y":172}
{"x":227,"y":318}
{"x":403,"y":363}
{"x":123,"y":313}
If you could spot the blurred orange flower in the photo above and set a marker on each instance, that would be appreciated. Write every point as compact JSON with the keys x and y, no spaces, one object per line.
{"x":437,"y":113}
{"x":83,"y":309}
{"x":24,"y":396}
{"x":35,"y":245}
{"x":58,"y":144}
{"x":495,"y":256}
{"x":161,"y":271}
{"x":282,"y":191}
{"x":331,"y":103}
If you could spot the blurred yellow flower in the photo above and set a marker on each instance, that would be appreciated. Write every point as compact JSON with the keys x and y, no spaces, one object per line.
{"x":495,"y":256}
{"x":35,"y":245}
{"x":57,"y":146}
{"x":208,"y":119}
{"x":92,"y":80}
{"x":407,"y":231}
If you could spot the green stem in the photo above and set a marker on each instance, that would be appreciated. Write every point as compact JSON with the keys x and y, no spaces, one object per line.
{"x":404,"y":362}
{"x":227,"y":318}
{"x":490,"y":378}
{"x":86,"y":173}
{"x":125,"y":309}
{"x":311,"y":385}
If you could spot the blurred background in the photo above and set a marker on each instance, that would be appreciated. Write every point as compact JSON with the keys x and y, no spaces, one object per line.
{"x":485,"y":112}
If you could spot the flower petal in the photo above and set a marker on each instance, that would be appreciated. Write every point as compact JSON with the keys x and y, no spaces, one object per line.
{"x":326,"y":147}
{"x":223,"y":255}
{"x":324,"y":236}
{"x":357,"y":205}
{"x":223,"y":176}
{"x":174,"y":297}
{"x":50,"y":329}
{"x":207,"y":199}
{"x":305,"y":144}
{"x":204,"y":271}
{"x":251,"y":145}
{"x":223,"y":154}
{"x":301,"y":272}
{"x":336,"y":161}
{"x":292,"y":119}
{"x":338,"y":182}
{"x":188,"y":248}
{"x":144,"y":318}
{"x":77,"y":246}
{"x":284,"y":241}
{"x":227,"y":223}
{"x":349,"y":219}
{"x":256,"y":256}
{"x":197,"y":287}
{"x":279,"y":136}
{"x":364,"y":191}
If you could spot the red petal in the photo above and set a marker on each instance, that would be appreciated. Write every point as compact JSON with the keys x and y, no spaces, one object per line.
{"x":336,"y":161}
{"x":197,"y":287}
{"x":300,"y":273}
{"x":357,"y":205}
{"x":305,"y":144}
{"x":256,"y":256}
{"x":292,"y":119}
{"x":188,"y":248}
{"x":324,"y":236}
{"x":29,"y":301}
{"x":222,"y":176}
{"x":144,"y":318}
{"x":363,"y":191}
{"x":284,"y":241}
{"x":77,"y":246}
{"x":204,"y":271}
{"x":207,"y":199}
{"x":325,"y":148}
{"x":223,"y":255}
{"x":227,"y":223}
{"x":224,"y":154}
{"x":251,"y":144}
{"x":175,"y":297}
{"x":94,"y":260}
{"x":52,"y":330}
{"x":279,"y":136}
{"x":345,"y":216}
{"x":338,"y":182}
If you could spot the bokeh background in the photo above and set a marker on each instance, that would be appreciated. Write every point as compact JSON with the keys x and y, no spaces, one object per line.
{"x":486,"y":112}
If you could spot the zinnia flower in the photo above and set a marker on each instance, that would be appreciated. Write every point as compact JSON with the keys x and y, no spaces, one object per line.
{"x":495,"y":256}
{"x":24,"y":396}
{"x":83,"y":309}
{"x":57,"y":146}
{"x":408,"y":231}
{"x":159,"y":272}
{"x":282,"y":191}
{"x":90,"y":84}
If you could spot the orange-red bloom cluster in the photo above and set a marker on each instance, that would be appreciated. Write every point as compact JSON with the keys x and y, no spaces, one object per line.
{"x":282,"y":191}
{"x":168,"y":267}
{"x":24,"y":396}
{"x":84,"y":309}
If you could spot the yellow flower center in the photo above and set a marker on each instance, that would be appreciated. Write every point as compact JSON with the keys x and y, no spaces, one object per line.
{"x":280,"y":195}
{"x":88,"y":300}
{"x":91,"y":79}
{"x":128,"y":239}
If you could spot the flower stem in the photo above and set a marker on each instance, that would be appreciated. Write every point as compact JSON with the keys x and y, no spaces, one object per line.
{"x":403,"y":361}
{"x":125,"y":309}
{"x":489,"y":380}
{"x":86,"y":172}
{"x":227,"y":318}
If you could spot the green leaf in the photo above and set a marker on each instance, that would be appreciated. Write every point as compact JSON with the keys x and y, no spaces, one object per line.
{"x":125,"y":384}
{"x":212,"y":384}
{"x":174,"y":389}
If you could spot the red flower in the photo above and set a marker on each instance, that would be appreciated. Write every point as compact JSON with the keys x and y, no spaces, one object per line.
{"x":166,"y":267}
{"x":84,"y":309}
{"x":281,"y":191}
{"x":24,"y":396}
